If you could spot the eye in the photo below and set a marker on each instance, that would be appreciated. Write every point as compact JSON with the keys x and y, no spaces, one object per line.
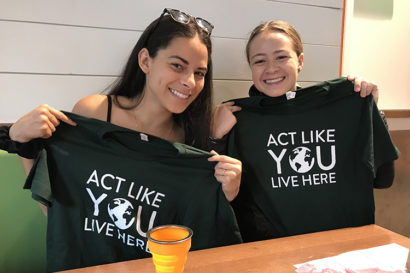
{"x":259,"y":62}
{"x":200,"y":74}
{"x":177,"y":66}
{"x":282,"y":57}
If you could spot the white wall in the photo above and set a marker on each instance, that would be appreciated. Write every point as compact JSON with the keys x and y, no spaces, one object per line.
{"x":376,"y":46}
{"x":56,"y":52}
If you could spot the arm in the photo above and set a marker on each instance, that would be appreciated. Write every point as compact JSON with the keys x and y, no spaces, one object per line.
{"x":384,"y":176}
{"x":39,"y":123}
{"x":223,"y":119}
{"x":6,"y":143}
{"x":219,"y":145}
{"x":27,"y":150}
{"x":23,"y":150}
{"x":222,"y":123}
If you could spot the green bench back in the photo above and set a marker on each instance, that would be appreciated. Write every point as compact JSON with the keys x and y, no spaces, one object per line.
{"x":22,"y":224}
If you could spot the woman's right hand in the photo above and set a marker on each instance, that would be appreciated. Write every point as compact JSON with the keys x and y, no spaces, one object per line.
{"x":223,"y":119}
{"x":39,"y":123}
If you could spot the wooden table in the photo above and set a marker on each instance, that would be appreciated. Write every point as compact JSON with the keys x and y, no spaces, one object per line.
{"x":277,"y":255}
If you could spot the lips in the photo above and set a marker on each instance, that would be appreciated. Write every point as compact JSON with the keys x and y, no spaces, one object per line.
{"x":179,"y":94}
{"x":271,"y":81}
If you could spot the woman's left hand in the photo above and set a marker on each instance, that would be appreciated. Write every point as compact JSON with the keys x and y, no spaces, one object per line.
{"x":223,"y":119}
{"x":364,"y":87}
{"x":228,"y":172}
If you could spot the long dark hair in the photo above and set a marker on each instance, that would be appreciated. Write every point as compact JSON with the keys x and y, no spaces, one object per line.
{"x":158,"y":35}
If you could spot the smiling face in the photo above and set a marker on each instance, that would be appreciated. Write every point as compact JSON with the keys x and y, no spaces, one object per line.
{"x":176,"y":75}
{"x":274,"y":63}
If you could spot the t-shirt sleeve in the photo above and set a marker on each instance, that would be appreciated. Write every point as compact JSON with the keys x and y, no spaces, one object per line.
{"x":379,"y":145}
{"x":38,"y":181}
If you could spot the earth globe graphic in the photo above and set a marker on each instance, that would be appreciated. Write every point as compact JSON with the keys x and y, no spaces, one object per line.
{"x":301,"y":160}
{"x":121,"y":212}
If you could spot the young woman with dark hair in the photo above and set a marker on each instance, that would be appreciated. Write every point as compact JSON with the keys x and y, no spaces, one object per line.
{"x":105,"y":185}
{"x":165,"y":90}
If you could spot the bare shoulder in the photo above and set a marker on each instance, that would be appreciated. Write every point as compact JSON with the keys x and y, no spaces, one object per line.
{"x":93,"y":106}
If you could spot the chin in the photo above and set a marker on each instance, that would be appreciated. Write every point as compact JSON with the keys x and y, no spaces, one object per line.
{"x":178,"y":110}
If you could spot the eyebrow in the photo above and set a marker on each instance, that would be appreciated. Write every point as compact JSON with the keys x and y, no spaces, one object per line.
{"x":186,"y":62}
{"x":263,"y":54}
{"x":258,"y":55}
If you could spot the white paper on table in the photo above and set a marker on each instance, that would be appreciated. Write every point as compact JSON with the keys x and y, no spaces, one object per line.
{"x":391,"y":257}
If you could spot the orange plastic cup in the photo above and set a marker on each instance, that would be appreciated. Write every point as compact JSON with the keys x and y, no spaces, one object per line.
{"x":169,"y":246}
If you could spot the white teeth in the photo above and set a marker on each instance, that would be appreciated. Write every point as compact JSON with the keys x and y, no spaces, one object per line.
{"x":178,"y":94}
{"x":275,"y":80}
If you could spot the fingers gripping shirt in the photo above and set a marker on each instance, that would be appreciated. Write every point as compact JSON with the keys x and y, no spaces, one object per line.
{"x":308,"y":162}
{"x":105,"y":186}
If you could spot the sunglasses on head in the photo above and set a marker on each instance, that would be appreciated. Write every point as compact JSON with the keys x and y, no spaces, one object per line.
{"x":184,"y":18}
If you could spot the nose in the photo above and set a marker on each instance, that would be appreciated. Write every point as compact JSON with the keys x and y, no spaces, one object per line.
{"x":271,"y":66}
{"x":188,"y":80}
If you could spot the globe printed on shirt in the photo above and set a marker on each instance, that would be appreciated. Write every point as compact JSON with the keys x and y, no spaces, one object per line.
{"x":301,"y":159}
{"x":121,"y":212}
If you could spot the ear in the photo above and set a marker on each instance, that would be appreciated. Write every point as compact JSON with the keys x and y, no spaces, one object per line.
{"x":144,"y":60}
{"x":301,"y":58}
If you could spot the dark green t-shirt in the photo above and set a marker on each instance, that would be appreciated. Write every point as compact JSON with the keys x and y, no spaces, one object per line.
{"x":308,"y":162}
{"x":105,"y":186}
